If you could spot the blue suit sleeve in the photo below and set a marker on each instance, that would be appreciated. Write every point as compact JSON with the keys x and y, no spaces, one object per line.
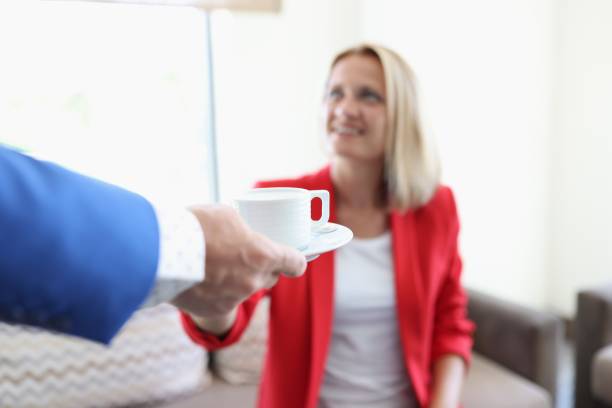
{"x":77,"y":255}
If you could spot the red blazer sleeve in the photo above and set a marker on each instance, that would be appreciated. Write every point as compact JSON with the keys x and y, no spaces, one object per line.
{"x":210,"y":341}
{"x":452,"y":329}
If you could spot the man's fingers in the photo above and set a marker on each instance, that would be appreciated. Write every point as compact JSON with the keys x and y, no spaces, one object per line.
{"x":291,"y":262}
{"x":272,"y":279}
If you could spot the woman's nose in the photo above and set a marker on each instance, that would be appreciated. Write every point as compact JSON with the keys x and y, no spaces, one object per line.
{"x":347,"y":107}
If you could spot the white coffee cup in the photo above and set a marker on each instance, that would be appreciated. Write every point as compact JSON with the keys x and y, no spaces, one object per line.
{"x":283,"y":213}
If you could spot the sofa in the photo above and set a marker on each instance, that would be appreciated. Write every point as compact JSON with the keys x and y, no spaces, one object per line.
{"x":517,"y":351}
{"x":516,"y":356}
{"x":152,"y":363}
{"x":593,"y":334}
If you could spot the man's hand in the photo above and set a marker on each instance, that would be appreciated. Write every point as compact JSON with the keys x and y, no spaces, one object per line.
{"x":239,"y":262}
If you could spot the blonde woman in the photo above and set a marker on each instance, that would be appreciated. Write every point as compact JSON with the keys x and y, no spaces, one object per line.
{"x":382,"y":321}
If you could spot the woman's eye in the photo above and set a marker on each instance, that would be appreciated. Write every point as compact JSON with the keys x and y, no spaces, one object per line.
{"x":334,"y":94}
{"x":371,"y":96}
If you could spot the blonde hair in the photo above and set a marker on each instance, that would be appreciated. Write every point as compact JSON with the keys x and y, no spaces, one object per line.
{"x":412,"y":168}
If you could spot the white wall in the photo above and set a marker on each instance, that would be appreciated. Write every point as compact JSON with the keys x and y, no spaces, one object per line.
{"x":270,"y":72}
{"x":582,"y":152}
{"x":484,"y":68}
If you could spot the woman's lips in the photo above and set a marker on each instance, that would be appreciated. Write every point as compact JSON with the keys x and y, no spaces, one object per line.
{"x":347,"y":131}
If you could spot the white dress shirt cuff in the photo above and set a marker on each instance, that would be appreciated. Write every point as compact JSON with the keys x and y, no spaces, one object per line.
{"x":181,"y":254}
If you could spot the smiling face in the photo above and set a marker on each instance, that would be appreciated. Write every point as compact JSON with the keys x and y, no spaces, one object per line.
{"x":355,"y":109}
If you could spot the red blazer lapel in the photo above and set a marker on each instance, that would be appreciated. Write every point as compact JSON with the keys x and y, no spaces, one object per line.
{"x":321,"y":295}
{"x":409,"y":290}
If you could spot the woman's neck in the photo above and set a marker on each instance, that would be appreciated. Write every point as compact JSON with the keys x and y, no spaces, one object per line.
{"x":358,"y":184}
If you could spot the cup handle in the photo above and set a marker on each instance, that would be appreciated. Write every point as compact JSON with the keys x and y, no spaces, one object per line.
{"x":324,"y":196}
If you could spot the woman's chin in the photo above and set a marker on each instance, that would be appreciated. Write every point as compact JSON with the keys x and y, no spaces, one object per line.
{"x":349,"y":154}
{"x":343,"y":151}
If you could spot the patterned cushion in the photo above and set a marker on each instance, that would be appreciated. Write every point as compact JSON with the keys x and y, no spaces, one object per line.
{"x":150,"y":360}
{"x":241,"y":363}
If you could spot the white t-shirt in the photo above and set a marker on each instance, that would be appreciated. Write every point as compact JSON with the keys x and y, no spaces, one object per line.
{"x":365,"y":363}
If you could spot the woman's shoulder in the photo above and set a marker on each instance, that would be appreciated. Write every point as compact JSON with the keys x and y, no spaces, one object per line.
{"x":312,"y":180}
{"x":443,"y":196}
{"x":438,"y":215}
{"x":442,"y":202}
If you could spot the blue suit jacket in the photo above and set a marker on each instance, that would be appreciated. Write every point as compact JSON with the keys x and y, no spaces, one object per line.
{"x":76,"y":255}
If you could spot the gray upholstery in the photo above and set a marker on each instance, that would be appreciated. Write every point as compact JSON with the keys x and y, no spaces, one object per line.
{"x":490,"y":385}
{"x":219,"y":395}
{"x":487,"y":385}
{"x":602,"y":374}
{"x":593,"y":331}
{"x":526,"y":341}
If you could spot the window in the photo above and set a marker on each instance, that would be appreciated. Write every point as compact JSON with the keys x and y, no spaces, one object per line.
{"x":114,"y":91}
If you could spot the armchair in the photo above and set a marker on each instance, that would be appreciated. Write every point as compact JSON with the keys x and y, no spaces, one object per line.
{"x":594,"y":348}
{"x":516,"y":355}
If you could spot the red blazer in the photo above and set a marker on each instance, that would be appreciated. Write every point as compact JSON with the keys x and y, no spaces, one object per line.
{"x":431,"y":304}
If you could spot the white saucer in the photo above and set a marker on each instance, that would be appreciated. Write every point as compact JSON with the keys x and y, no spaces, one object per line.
{"x":327,"y":238}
